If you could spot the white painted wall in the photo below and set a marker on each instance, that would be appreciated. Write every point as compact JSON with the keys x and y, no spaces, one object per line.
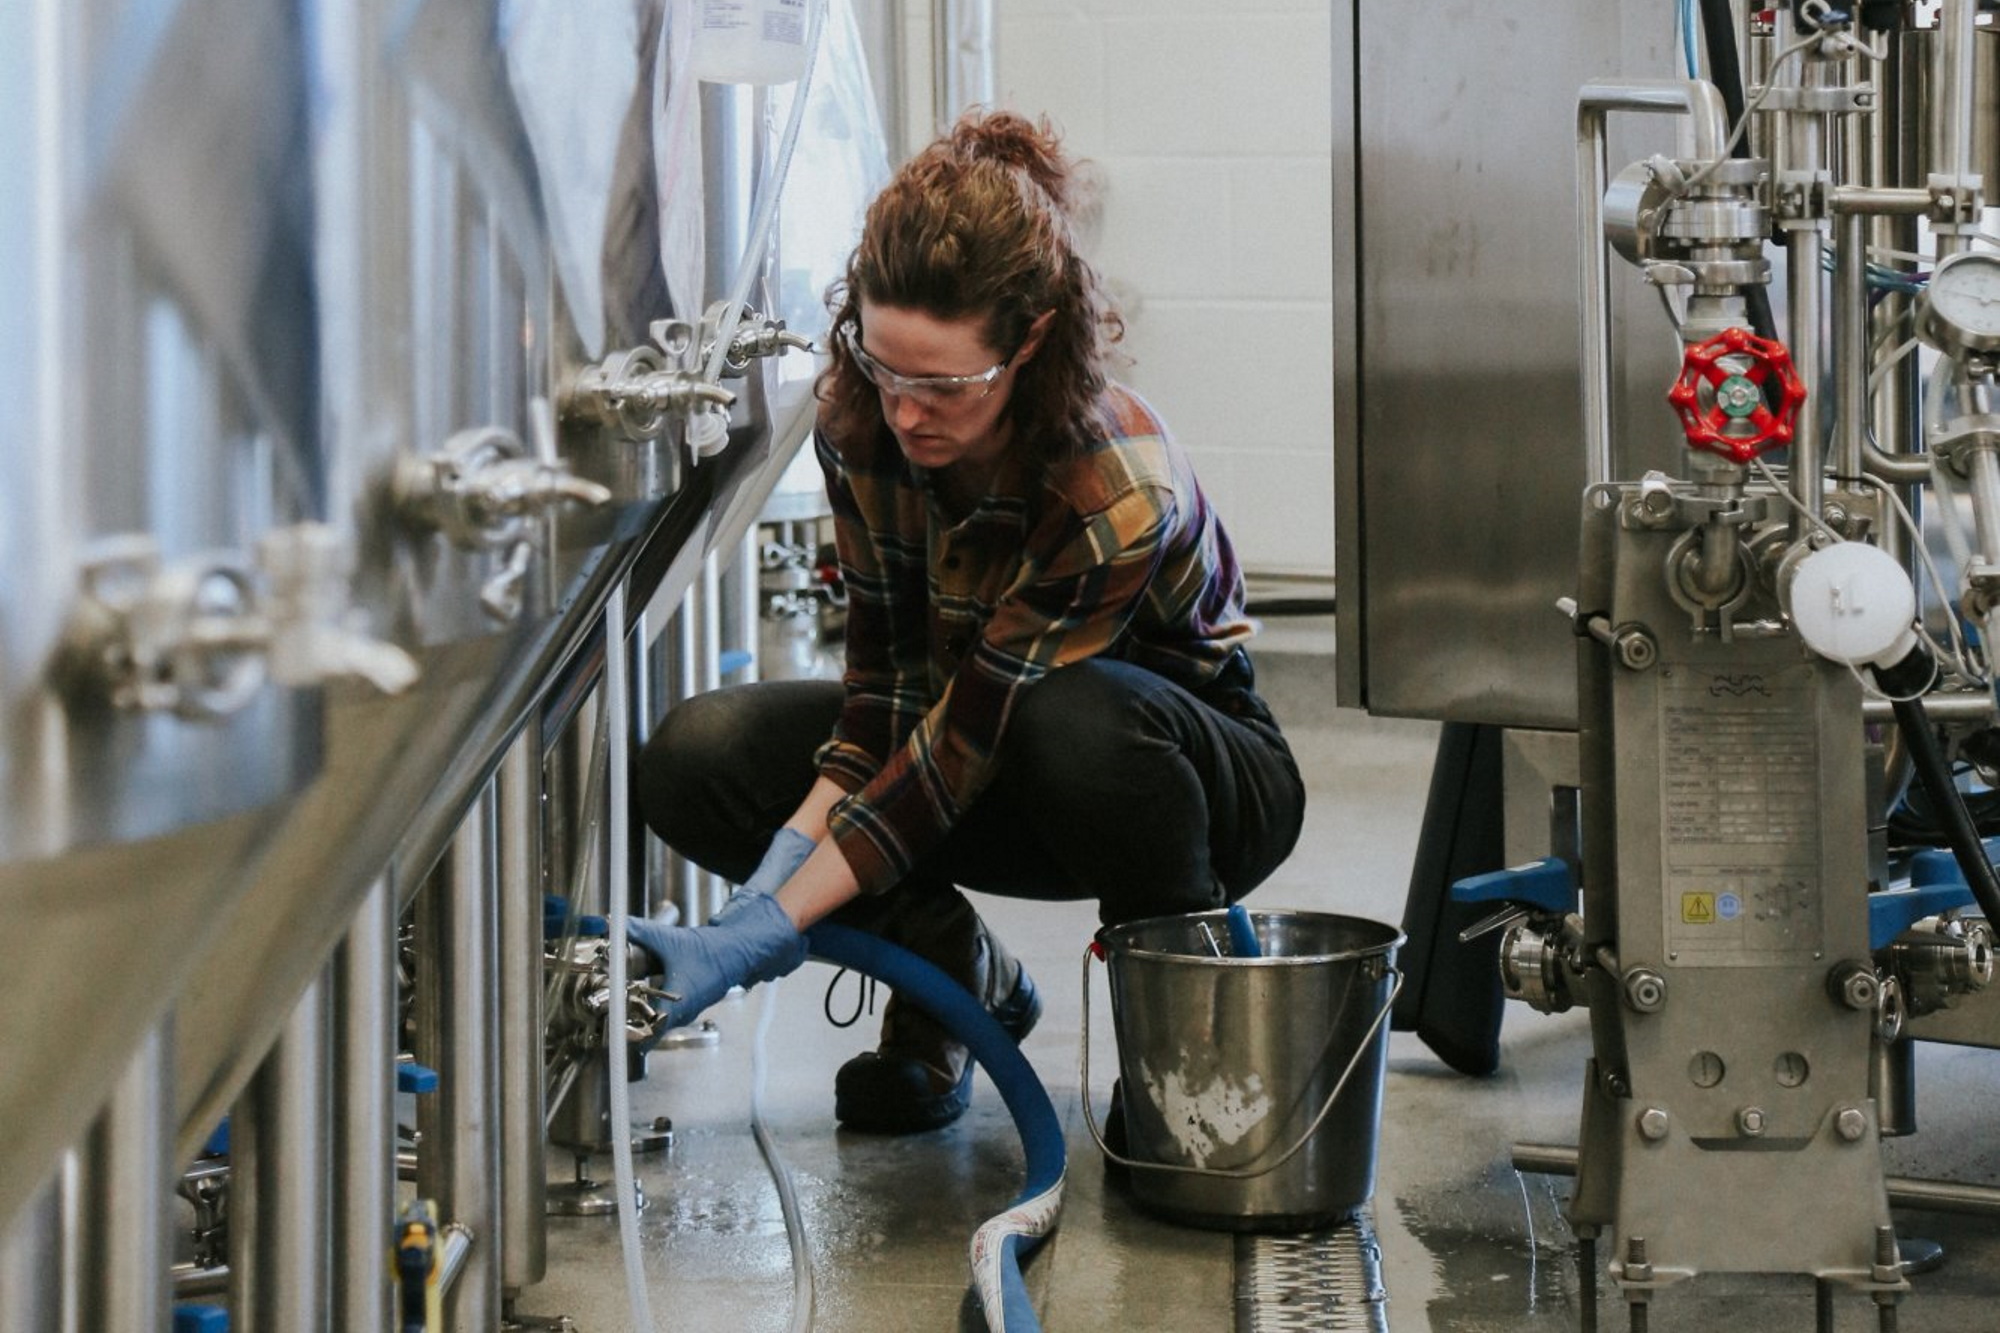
{"x":1210,"y":123}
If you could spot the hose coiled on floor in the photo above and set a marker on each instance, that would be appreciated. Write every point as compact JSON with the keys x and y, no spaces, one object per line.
{"x":999,"y":1246}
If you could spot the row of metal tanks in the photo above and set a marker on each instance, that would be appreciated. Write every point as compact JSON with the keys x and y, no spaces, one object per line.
{"x":345,"y":380}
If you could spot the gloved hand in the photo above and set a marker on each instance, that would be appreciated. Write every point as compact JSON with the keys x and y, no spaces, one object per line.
{"x":787,"y":852}
{"x":757,"y":943}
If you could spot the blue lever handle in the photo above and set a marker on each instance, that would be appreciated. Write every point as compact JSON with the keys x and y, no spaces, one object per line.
{"x":416,"y":1078}
{"x":200,"y":1319}
{"x":1546,"y":884}
{"x":1892,"y":913}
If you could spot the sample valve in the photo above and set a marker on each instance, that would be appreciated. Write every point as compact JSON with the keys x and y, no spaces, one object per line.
{"x":484,"y":490}
{"x":198,"y":637}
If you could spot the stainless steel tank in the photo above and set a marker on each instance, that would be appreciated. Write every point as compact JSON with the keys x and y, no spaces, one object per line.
{"x":462,"y":311}
{"x":159,"y":419}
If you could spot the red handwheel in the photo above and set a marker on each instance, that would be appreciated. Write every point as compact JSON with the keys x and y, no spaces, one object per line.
{"x":1720,"y":395}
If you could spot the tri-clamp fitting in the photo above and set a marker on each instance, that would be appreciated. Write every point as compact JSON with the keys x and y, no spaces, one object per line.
{"x":484,"y":490}
{"x":198,"y":637}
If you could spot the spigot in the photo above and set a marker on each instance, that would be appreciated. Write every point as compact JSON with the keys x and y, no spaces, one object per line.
{"x":484,"y":490}
{"x":314,"y":632}
{"x":638,"y":391}
{"x":754,"y":336}
{"x":198,"y":637}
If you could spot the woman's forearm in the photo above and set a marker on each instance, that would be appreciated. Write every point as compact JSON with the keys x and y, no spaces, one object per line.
{"x":820,"y":887}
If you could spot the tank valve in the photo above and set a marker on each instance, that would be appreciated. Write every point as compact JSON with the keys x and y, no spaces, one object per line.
{"x":199,"y":636}
{"x":637,"y":392}
{"x":1720,"y":395}
{"x":486,"y":490}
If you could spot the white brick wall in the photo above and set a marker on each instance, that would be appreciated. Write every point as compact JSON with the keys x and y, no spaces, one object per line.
{"x":1211,"y":125}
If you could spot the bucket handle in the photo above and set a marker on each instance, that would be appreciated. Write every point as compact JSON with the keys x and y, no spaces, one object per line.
{"x":1222,"y":1173}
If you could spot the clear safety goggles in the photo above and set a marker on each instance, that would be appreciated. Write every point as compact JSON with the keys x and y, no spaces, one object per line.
{"x":932,"y":390}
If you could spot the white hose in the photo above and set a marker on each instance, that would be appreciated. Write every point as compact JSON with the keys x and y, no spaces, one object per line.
{"x":615,"y":703}
{"x":708,"y":432}
{"x":781,"y":1174}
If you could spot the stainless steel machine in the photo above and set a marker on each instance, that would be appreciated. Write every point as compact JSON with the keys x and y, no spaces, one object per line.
{"x":1786,"y":406}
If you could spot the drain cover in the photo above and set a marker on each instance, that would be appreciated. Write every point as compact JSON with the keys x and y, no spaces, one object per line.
{"x":1324,"y":1280}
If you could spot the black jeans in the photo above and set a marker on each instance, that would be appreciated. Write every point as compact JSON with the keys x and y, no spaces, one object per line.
{"x":1113,"y":783}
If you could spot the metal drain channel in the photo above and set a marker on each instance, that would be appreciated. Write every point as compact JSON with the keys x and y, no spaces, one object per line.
{"x":1327,"y":1280}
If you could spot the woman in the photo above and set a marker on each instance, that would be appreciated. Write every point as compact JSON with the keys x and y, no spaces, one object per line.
{"x":1046,"y":691}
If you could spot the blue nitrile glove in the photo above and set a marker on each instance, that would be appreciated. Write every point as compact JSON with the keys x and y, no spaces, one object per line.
{"x":787,"y":852}
{"x":757,"y":943}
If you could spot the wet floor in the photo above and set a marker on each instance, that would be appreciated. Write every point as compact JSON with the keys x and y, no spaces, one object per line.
{"x":1467,"y":1245}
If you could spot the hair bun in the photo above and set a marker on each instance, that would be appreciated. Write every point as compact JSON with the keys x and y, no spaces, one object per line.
{"x":1016,"y":141}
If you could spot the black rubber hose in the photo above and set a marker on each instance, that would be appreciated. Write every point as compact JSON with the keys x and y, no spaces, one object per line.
{"x":1725,"y":68}
{"x":1905,"y":683}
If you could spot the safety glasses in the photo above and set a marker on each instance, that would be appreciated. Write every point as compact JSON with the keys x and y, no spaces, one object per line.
{"x":931,"y":390}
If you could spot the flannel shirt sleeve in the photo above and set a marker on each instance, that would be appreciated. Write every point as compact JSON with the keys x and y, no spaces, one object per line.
{"x":1066,"y":608}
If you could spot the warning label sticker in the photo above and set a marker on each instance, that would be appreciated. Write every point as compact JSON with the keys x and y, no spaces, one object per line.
{"x":1698,"y":909}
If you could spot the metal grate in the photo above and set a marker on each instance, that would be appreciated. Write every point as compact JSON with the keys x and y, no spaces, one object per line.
{"x":1327,"y":1280}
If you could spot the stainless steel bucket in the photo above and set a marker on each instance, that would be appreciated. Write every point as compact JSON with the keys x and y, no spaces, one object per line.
{"x":1252,"y":1086}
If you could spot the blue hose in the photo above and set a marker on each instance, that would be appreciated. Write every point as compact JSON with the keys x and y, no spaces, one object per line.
{"x":999,"y":1246}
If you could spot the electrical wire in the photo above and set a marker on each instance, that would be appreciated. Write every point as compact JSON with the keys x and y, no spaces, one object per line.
{"x":1690,"y":44}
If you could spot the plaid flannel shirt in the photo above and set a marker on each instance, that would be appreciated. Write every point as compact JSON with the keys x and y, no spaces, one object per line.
{"x":1115,"y":552}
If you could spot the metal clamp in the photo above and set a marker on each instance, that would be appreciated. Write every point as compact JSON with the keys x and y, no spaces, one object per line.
{"x":484,"y":490}
{"x":198,"y":637}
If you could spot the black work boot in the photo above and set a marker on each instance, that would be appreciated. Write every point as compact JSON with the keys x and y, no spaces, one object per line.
{"x":919,"y":1078}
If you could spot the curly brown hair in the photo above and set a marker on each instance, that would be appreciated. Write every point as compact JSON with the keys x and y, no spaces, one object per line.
{"x":982,"y":224}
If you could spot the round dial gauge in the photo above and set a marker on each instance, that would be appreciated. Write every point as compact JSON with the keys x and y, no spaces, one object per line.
{"x":1961,"y":307}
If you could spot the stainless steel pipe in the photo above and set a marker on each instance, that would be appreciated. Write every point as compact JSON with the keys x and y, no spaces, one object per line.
{"x":523,"y":1166}
{"x":279,"y":1251}
{"x":364,"y":1129}
{"x":1942,"y":1196}
{"x":126,"y":1178}
{"x":1702,"y":104}
{"x":458,"y":1165}
{"x":31,"y":1261}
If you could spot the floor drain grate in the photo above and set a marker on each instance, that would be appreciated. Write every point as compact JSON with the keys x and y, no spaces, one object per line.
{"x":1323,"y":1280}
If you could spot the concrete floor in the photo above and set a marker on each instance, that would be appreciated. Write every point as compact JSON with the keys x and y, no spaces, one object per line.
{"x":1467,"y":1244}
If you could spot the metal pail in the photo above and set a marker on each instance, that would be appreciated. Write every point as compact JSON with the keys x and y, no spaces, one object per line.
{"x":1252,"y":1086}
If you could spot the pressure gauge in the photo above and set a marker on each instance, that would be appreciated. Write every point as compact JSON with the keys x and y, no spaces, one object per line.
{"x":1960,"y":311}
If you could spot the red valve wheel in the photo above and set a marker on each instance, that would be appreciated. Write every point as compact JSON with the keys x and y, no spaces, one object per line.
{"x":1720,"y":395}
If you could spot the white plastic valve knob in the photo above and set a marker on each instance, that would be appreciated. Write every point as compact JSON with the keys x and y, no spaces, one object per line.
{"x":1852,"y":603}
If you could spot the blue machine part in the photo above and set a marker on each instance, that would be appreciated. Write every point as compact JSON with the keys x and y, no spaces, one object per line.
{"x":1546,"y":884}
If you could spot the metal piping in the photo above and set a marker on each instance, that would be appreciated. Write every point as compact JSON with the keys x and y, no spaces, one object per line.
{"x":1942,"y":1196}
{"x":31,"y":1263}
{"x":278,"y":1204}
{"x":523,"y":1168}
{"x":457,"y":1019}
{"x":1953,"y":79}
{"x":1702,"y":104}
{"x":126,"y":1246}
{"x":364,"y":1130}
{"x":1850,"y":343}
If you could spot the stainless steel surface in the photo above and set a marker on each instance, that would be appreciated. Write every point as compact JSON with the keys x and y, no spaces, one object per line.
{"x":1943,"y":1196}
{"x":518,"y":977}
{"x":365,"y":995}
{"x":279,"y":1193}
{"x":142,"y":364}
{"x":31,"y":1264}
{"x":126,"y":1173}
{"x":458,"y":1163}
{"x":1456,"y":308}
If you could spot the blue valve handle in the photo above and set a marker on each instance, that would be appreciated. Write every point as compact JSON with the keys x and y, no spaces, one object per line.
{"x":1892,"y":913}
{"x":1546,"y":885}
{"x":200,"y":1319}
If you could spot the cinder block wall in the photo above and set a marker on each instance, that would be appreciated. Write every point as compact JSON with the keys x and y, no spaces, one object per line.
{"x":1210,"y":123}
